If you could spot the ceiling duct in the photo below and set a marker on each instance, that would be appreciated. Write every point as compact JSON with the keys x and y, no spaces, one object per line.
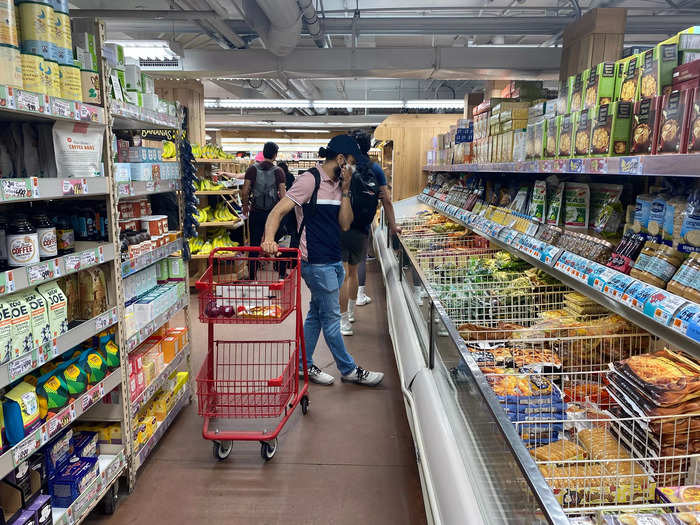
{"x":277,"y":23}
{"x":313,"y":25}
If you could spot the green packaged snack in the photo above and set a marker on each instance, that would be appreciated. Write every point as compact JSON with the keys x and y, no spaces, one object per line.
{"x":52,"y":393}
{"x":564,"y":136}
{"x":551,"y":145}
{"x":75,"y":378}
{"x":582,"y":134}
{"x":657,"y":70}
{"x":611,"y":129}
{"x":629,"y":89}
{"x":94,"y":365}
{"x":577,"y":196}
{"x":538,"y":201}
{"x":577,"y":95}
{"x":554,"y":205}
{"x":600,"y":88}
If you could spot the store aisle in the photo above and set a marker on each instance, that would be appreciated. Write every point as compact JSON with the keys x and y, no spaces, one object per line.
{"x":350,"y":460}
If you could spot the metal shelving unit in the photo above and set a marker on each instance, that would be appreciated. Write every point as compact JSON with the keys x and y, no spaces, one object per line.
{"x":144,"y":397}
{"x":143,"y":188}
{"x":26,"y":106}
{"x":137,"y":264}
{"x":35,"y":188}
{"x":677,"y":165}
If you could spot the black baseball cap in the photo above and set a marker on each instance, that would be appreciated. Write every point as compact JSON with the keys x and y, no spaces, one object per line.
{"x":345,"y":145}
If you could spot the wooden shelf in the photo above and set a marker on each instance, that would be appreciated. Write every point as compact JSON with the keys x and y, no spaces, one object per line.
{"x":231,"y":191}
{"x":222,"y":224}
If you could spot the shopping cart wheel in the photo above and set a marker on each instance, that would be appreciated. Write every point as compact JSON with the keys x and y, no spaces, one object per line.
{"x":110,"y":501}
{"x":304,"y":404}
{"x":268,"y":449}
{"x":222,"y":449}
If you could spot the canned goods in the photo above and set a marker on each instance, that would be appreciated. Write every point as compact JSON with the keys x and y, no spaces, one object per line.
{"x":71,"y":88}
{"x":52,"y":77}
{"x":11,"y":66}
{"x":35,"y":23}
{"x":62,"y":38}
{"x":60,"y":6}
{"x":33,"y":73}
{"x":8,"y":24}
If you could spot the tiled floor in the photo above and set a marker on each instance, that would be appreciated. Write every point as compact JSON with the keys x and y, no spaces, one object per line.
{"x":350,"y":460}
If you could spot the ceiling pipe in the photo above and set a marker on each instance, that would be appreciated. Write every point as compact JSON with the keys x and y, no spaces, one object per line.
{"x":307,"y":90}
{"x":277,"y":23}
{"x":313,"y":24}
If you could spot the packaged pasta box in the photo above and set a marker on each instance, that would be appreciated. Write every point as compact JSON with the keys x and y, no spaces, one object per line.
{"x":564,"y":136}
{"x":600,"y":87}
{"x":694,"y":122}
{"x":582,"y":133}
{"x":673,"y":124}
{"x":611,"y":129}
{"x":551,"y":145}
{"x":578,"y":93}
{"x":645,"y":126}
{"x":629,"y":86}
{"x":657,"y":69}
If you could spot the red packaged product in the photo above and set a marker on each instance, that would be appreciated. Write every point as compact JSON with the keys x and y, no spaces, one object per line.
{"x":645,"y":126}
{"x":686,"y":72}
{"x":694,"y":122}
{"x":673,"y":125}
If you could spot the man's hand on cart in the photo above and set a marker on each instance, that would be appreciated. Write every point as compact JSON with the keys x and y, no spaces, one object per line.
{"x":270,"y":247}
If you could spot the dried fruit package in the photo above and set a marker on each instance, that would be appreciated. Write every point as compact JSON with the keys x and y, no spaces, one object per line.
{"x":577,"y":196}
{"x":606,"y":209}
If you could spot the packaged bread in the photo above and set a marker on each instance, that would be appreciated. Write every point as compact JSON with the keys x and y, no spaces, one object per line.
{"x":665,"y":377}
{"x":562,"y":450}
{"x":93,"y":293}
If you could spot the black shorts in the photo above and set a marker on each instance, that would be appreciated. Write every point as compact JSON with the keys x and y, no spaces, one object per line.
{"x":354,"y":245}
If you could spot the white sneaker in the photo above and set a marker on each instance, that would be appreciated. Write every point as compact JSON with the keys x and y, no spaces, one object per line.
{"x":346,"y":327}
{"x":318,"y":376}
{"x":363,"y":300}
{"x":363,"y":377}
{"x":351,"y":317}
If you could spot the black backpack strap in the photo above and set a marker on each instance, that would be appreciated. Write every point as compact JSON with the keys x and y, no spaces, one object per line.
{"x":309,"y":209}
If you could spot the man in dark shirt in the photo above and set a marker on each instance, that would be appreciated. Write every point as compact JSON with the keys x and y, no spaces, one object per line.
{"x":263,"y":187}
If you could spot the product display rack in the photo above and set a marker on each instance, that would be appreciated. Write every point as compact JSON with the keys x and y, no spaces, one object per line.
{"x":115,"y":461}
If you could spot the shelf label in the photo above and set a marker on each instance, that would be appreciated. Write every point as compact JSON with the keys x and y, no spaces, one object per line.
{"x":59,"y":421}
{"x":103,"y":321}
{"x":125,"y":190}
{"x":617,"y":285}
{"x":91,"y":397}
{"x":685,"y":317}
{"x":25,"y":448}
{"x":637,"y":294}
{"x":19,"y":367}
{"x":71,"y":262}
{"x":549,"y":254}
{"x":630,"y":165}
{"x":16,"y":189}
{"x":576,"y":165}
{"x":62,"y":108}
{"x":41,"y":272}
{"x":598,"y":281}
{"x":28,"y":101}
{"x":662,"y":305}
{"x":599,"y":165}
{"x":75,"y":187}
{"x":88,"y":258}
{"x":150,"y":186}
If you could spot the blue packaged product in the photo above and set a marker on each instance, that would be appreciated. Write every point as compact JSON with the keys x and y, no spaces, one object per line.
{"x":40,"y":507}
{"x":26,"y":517}
{"x":85,"y":444}
{"x":71,"y":480}
{"x":551,"y":408}
{"x":21,"y":411}
{"x":57,"y":452}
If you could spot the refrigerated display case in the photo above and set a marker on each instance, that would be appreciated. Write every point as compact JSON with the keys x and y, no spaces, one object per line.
{"x":513,"y":385}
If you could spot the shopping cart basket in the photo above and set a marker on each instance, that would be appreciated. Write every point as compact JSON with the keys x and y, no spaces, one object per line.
{"x":249,"y":380}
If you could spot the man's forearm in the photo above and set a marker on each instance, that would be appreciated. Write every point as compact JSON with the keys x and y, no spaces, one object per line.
{"x":345,"y":215}
{"x":272,"y":223}
{"x":389,"y":211}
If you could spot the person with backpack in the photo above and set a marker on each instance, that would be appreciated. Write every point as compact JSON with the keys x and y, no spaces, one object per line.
{"x":321,"y":200}
{"x":263,"y":187}
{"x":367,"y":190}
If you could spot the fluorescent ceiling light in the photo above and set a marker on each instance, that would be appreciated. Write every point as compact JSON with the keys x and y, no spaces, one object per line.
{"x":357,"y":104}
{"x":278,"y":140}
{"x":277,"y":103}
{"x":159,"y":49}
{"x":212,"y":129}
{"x":302,"y":131}
{"x":310,"y":124}
{"x":256,"y":103}
{"x":435,"y":104}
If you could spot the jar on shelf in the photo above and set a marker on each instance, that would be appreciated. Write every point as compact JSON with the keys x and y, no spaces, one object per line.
{"x":3,"y":243}
{"x":65,"y":236}
{"x":686,"y":281}
{"x":46,"y":234}
{"x":660,"y":267}
{"x":22,"y":242}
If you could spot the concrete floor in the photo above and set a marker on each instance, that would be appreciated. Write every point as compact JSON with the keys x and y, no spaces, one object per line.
{"x":350,"y":460}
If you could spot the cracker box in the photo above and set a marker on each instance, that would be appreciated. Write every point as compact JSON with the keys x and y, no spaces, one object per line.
{"x":657,"y":70}
{"x":582,"y":133}
{"x":611,"y":129}
{"x":645,"y":126}
{"x":578,"y":94}
{"x":629,"y":87}
{"x":600,"y":88}
{"x":673,"y":123}
{"x":72,"y":480}
{"x":564,"y":136}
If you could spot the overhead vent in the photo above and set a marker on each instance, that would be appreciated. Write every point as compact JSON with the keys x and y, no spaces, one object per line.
{"x":161,"y":64}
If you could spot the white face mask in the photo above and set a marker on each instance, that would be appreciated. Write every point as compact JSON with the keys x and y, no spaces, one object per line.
{"x":352,"y":168}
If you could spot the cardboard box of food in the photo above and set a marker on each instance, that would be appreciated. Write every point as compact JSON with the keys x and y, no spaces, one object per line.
{"x":564,"y":99}
{"x":564,"y":134}
{"x":551,"y":145}
{"x":540,"y":138}
{"x":673,"y":123}
{"x":611,"y":129}
{"x":645,"y":126}
{"x":694,"y":122}
{"x":582,"y":133}
{"x":629,"y":88}
{"x":578,"y":93}
{"x":657,"y":70}
{"x":600,"y":88}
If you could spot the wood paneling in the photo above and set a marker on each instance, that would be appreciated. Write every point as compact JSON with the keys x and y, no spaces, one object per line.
{"x":189,"y":93}
{"x":412,"y":137}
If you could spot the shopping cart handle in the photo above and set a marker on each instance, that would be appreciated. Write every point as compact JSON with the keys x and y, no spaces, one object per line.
{"x":275,"y":382}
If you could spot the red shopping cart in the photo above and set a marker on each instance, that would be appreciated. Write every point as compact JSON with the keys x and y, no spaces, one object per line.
{"x":250,"y":379}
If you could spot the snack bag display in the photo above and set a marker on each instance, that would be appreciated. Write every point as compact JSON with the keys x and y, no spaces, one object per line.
{"x":93,"y":363}
{"x":75,"y":377}
{"x":21,"y":412}
{"x":52,"y":394}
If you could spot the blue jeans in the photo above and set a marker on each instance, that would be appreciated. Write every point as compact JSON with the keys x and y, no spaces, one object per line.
{"x":324,"y":282}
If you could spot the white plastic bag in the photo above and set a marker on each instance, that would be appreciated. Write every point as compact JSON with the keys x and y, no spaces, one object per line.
{"x":78,"y":149}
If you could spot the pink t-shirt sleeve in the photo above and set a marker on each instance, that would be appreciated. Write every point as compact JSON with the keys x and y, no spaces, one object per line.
{"x":302,"y":189}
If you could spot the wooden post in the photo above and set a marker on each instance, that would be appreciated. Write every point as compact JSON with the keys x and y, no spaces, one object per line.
{"x":190,"y":93}
{"x":596,"y":37}
{"x":471,"y":100}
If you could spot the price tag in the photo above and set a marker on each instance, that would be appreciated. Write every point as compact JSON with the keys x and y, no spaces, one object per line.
{"x":88,"y":258}
{"x":40,"y":272}
{"x":24,"y":449}
{"x":101,"y":254}
{"x":75,"y":187}
{"x":124,"y":190}
{"x":19,"y":367}
{"x":662,"y":305}
{"x":630,"y":165}
{"x":9,"y":282}
{"x":599,"y":165}
{"x":28,"y":101}
{"x":103,"y":321}
{"x":549,"y":254}
{"x":599,"y":281}
{"x":15,"y":189}
{"x":687,"y":315}
{"x":72,"y":262}
{"x":617,"y":285}
{"x":637,"y":294}
{"x":150,"y":186}
{"x":62,"y":108}
{"x":576,"y":165}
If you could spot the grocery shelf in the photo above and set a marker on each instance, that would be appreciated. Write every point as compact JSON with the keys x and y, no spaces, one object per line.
{"x":111,"y":462}
{"x":234,"y":225}
{"x":145,"y":332}
{"x":36,"y":188}
{"x":27,"y":106}
{"x":129,"y":116}
{"x":203,"y":160}
{"x":139,"y":263}
{"x":12,"y":457}
{"x":144,"y":397}
{"x":26,"y":363}
{"x":86,"y":254}
{"x":143,"y":188}
{"x":549,"y":258}
{"x":232,"y":191}
{"x":677,"y":165}
{"x":142,"y":454}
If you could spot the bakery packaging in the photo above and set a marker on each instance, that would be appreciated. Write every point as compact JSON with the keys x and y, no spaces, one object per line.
{"x":673,"y":124}
{"x":645,"y":126}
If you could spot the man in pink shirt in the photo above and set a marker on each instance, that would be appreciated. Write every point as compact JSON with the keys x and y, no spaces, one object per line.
{"x":321,"y":200}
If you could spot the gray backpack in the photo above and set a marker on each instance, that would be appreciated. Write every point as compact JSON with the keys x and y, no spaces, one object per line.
{"x":265,"y":191}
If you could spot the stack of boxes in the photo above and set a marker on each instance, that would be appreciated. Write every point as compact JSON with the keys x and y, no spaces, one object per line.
{"x":136,"y":216}
{"x":85,"y":49}
{"x":143,"y":162}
